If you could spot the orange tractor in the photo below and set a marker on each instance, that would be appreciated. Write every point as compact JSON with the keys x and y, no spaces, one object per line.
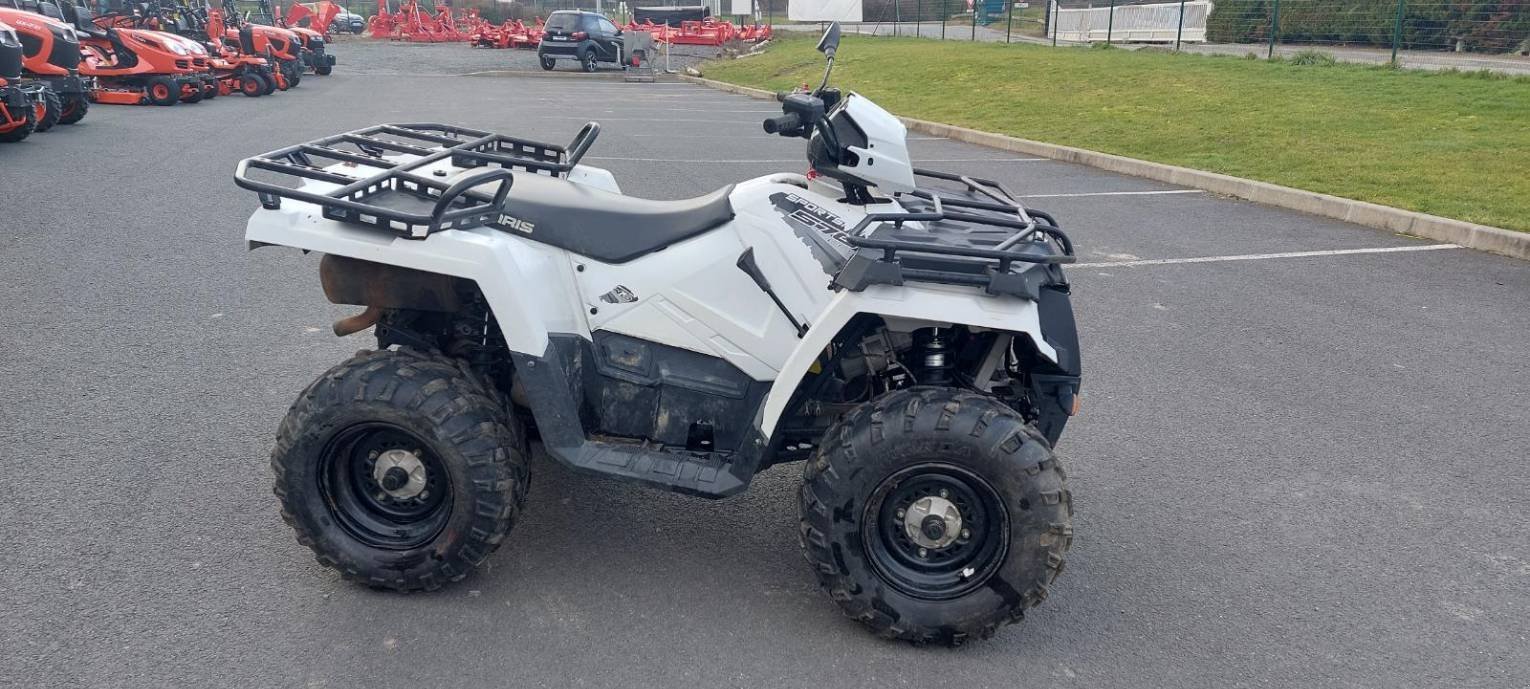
{"x":50,"y":63}
{"x":18,"y":117}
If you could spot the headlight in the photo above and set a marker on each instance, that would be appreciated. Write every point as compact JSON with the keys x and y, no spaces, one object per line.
{"x":176,"y":47}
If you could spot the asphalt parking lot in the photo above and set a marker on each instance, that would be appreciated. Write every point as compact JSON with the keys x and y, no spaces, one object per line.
{"x":1290,"y":471}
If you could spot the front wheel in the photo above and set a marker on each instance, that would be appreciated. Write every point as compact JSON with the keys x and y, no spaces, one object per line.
{"x":401,"y":470}
{"x":163,"y":91}
{"x":935,"y":515}
{"x":548,"y":63}
{"x":49,"y":110}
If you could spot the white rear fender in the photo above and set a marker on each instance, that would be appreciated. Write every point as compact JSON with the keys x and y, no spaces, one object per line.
{"x":522,"y":281}
{"x":930,"y":304}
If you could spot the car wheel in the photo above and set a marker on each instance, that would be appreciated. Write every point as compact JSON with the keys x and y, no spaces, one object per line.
{"x":587,"y":62}
{"x":548,"y":63}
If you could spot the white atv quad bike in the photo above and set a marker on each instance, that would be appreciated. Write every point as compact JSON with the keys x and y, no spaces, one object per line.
{"x":915,"y":347}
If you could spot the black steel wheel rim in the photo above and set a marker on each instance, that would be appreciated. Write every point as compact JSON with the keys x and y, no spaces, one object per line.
{"x":935,"y":573}
{"x":361,"y":505}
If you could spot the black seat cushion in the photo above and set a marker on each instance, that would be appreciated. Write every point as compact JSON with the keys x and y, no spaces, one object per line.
{"x":607,"y":227}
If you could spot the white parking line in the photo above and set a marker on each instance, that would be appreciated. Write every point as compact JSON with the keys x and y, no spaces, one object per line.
{"x":1263,"y":257}
{"x":1113,"y":193}
{"x":799,"y":160}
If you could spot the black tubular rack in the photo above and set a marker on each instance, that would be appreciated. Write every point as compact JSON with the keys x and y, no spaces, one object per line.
{"x":381,"y":181}
{"x":1018,"y":251}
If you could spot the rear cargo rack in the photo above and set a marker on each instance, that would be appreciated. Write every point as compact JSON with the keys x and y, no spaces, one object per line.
{"x":952,"y":247}
{"x":377,"y":175}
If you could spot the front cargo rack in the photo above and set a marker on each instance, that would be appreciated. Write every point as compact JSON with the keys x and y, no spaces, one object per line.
{"x":377,"y":175}
{"x":986,"y":239}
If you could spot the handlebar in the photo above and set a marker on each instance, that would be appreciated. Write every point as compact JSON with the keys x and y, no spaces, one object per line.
{"x":785,"y":123}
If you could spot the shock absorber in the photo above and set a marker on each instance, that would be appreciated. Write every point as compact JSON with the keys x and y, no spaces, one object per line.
{"x":932,"y":356}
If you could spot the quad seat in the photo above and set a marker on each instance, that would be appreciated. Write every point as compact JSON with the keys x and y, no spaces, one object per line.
{"x":607,"y":227}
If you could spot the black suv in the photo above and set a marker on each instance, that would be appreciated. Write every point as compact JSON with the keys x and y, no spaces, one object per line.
{"x":585,"y":36}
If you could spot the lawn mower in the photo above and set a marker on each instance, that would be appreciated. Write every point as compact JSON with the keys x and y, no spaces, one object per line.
{"x":282,"y":48}
{"x":231,"y":71}
{"x":51,"y":59}
{"x":18,"y":116}
{"x":312,"y":25}
{"x":132,"y":66}
{"x":905,"y":333}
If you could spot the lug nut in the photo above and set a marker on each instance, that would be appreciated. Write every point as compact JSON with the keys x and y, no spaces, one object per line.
{"x":923,"y":552}
{"x":900,"y":513}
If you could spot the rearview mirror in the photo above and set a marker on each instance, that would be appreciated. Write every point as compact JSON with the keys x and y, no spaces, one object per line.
{"x":830,"y":41}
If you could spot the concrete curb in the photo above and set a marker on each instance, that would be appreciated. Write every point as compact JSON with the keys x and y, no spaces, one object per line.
{"x":1480,"y":237}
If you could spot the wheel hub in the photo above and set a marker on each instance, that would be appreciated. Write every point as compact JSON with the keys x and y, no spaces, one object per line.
{"x":933,"y":522}
{"x":400,"y":474}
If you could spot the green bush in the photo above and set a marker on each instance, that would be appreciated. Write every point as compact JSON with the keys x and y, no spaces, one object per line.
{"x":1312,"y":58}
{"x":1478,"y":25}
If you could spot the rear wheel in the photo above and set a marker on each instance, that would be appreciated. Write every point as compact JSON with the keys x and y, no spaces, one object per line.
{"x":548,"y":63}
{"x":400,"y":469}
{"x":75,"y":106}
{"x":587,"y":61}
{"x":162,"y":91}
{"x":935,"y":515}
{"x":49,"y":111}
{"x":268,"y":82}
{"x":252,"y":85}
{"x":323,"y":69}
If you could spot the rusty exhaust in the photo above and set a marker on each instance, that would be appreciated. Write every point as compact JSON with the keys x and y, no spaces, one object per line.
{"x":359,"y":322}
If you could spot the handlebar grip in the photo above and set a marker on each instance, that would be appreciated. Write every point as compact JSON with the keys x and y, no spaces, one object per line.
{"x":784,"y":123}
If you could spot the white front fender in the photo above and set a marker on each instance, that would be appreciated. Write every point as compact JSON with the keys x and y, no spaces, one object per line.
{"x":931,"y":303}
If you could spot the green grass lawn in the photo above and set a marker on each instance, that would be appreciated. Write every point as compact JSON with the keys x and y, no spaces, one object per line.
{"x":1451,"y":144}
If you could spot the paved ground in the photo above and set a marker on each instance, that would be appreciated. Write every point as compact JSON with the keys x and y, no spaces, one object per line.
{"x":1289,"y":472}
{"x":1411,"y":59}
{"x":368,"y":56}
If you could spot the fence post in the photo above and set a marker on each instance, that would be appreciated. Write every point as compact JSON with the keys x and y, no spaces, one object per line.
{"x":1397,"y":32}
{"x":1180,"y":32}
{"x":1110,"y":22}
{"x":1056,"y":9}
{"x":918,"y":13}
{"x":943,"y":11}
{"x":1274,"y":31}
{"x":896,"y":17}
{"x":975,"y":5}
{"x":1009,"y":22}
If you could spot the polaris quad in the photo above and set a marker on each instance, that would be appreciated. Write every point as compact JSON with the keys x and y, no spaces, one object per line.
{"x":914,"y":346}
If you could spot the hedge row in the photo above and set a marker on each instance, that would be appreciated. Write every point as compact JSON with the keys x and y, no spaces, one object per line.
{"x":1476,"y":25}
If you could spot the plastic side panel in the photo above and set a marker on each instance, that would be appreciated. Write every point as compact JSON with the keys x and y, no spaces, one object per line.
{"x":934,"y":304}
{"x":599,"y":178}
{"x":524,"y":283}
